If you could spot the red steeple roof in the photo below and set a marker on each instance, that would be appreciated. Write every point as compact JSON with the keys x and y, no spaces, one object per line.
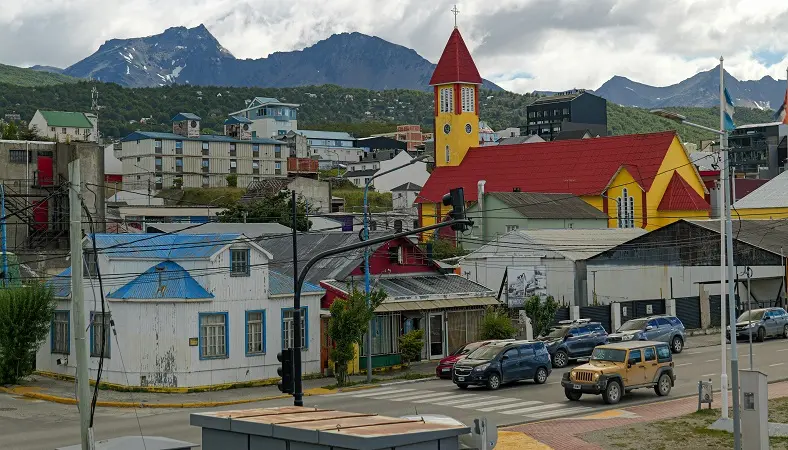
{"x":679,"y":196}
{"x":456,"y":64}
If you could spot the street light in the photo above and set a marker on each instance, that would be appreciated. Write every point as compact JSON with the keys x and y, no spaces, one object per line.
{"x":422,"y":158}
{"x":726,"y":236}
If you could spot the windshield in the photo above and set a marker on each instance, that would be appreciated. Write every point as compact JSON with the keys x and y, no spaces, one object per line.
{"x":556,"y":332}
{"x":484,"y":353}
{"x":633,"y":325}
{"x":608,"y":354}
{"x":753,"y":316}
{"x":469,"y":348}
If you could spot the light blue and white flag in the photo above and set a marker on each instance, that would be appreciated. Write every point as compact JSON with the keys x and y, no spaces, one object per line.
{"x":728,"y":111}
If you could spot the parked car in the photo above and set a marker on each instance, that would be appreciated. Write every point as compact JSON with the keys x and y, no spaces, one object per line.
{"x":667,"y":329}
{"x":572,"y":339}
{"x":764,"y":322}
{"x":615,"y":369}
{"x":447,"y":364}
{"x":503,"y":362}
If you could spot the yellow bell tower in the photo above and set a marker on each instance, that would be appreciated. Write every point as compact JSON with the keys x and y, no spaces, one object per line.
{"x":456,"y":84}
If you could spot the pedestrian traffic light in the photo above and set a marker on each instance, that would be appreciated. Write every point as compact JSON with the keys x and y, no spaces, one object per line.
{"x":456,"y":199}
{"x":286,"y":371}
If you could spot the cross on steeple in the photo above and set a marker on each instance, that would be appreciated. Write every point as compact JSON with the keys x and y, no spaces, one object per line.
{"x":455,"y":11}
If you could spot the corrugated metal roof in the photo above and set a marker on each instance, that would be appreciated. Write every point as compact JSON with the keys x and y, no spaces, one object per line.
{"x":280,"y":284}
{"x":61,"y":284}
{"x":528,"y":139}
{"x":335,"y":135}
{"x":236,"y":120}
{"x":185,"y":116}
{"x":773,"y":194}
{"x":251,"y":230}
{"x":142,"y":135}
{"x":164,"y":280}
{"x":407,"y":187}
{"x":436,"y":304}
{"x":425,"y":287}
{"x":770,"y":235}
{"x":66,"y":119}
{"x":535,"y":205}
{"x":572,"y":244}
{"x":164,"y":246}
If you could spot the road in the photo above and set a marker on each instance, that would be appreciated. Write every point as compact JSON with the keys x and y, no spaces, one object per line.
{"x":37,"y":425}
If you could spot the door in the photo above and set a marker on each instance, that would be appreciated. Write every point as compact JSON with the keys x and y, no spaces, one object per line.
{"x":773,"y":324}
{"x":573,"y":341}
{"x":510,"y":365}
{"x":585,"y":342}
{"x":436,"y":335}
{"x":636,"y":371}
{"x":652,"y":330}
{"x":665,"y":330}
{"x":650,"y":361}
{"x":528,"y":362}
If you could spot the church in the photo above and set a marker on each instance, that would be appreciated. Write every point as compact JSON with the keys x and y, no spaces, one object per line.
{"x":640,"y":181}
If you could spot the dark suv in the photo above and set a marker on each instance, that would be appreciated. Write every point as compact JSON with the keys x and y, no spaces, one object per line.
{"x":572,"y":339}
{"x":503,"y":362}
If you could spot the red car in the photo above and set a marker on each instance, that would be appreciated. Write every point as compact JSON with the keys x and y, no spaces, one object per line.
{"x":446,"y":364}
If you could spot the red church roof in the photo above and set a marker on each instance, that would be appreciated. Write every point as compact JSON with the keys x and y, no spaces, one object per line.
{"x":679,"y":196}
{"x":456,"y":64}
{"x":579,"y":167}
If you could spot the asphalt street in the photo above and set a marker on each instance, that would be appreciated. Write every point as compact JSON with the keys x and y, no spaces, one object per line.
{"x":37,"y":425}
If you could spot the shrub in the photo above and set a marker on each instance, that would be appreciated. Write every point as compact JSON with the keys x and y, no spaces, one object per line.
{"x":232,"y":180}
{"x":410,"y":345}
{"x":25,"y":317}
{"x":496,"y":324}
{"x":541,"y":312}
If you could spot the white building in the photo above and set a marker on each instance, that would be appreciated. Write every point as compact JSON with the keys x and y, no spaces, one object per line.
{"x":404,"y":195}
{"x":270,"y":117}
{"x":381,"y":161}
{"x":63,"y":126}
{"x":189,"y":310}
{"x":331,"y":147}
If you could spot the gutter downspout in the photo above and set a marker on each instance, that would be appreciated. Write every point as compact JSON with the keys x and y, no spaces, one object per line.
{"x":480,"y":193}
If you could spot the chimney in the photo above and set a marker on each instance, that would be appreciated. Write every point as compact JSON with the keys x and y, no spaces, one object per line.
{"x":480,"y":186}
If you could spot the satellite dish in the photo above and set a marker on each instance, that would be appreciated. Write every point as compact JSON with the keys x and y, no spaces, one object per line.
{"x":194,"y":123}
{"x":246,"y":127}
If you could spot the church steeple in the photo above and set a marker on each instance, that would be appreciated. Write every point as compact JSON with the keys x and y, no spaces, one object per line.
{"x":456,"y":83}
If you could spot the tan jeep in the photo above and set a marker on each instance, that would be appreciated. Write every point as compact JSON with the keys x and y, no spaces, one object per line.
{"x":621,"y":367}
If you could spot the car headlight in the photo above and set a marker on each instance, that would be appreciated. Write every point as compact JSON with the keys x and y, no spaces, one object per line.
{"x":596,"y":376}
{"x":481,"y":367}
{"x":753,"y":324}
{"x":627,"y":337}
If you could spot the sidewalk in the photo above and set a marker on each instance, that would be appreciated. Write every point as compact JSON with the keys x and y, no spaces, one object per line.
{"x":703,"y":340}
{"x":59,"y":391}
{"x":562,"y":434}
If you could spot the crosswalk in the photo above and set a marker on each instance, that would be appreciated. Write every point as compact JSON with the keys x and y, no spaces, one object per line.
{"x":482,"y":402}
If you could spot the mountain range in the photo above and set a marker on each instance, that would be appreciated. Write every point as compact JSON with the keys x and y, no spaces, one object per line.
{"x":701,"y":89}
{"x":194,"y":56}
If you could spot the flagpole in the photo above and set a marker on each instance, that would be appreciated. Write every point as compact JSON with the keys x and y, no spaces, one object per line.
{"x":723,"y":268}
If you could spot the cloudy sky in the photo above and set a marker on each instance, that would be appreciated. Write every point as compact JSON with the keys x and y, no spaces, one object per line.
{"x":523,"y":45}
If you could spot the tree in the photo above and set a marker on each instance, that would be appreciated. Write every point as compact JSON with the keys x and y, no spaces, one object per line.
{"x":232,"y":180}
{"x":443,"y":248}
{"x":177,"y":183}
{"x":207,"y":130}
{"x":10,"y":131}
{"x":496,"y":324}
{"x":410,"y":345}
{"x":541,"y":312}
{"x":269,"y":209}
{"x":346,"y":328}
{"x":25,"y":317}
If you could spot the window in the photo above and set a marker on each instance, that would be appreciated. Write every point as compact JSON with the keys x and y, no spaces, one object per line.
{"x":157,"y":145}
{"x":60,"y":332}
{"x":255,"y":149}
{"x":62,"y":131}
{"x":256,"y":167}
{"x":448,"y":154}
{"x":511,"y":353}
{"x":255,"y":178}
{"x":446,"y":99}
{"x":213,"y":335}
{"x":278,"y":168}
{"x":159,"y":182}
{"x":99,"y":330}
{"x":626,"y":210}
{"x":52,"y":129}
{"x":634,"y":356}
{"x":158,"y":164}
{"x":527,"y":350}
{"x":91,"y":263}
{"x":288,"y":337}
{"x":206,"y":182}
{"x":17,"y":156}
{"x":179,"y":164}
{"x":652,"y":323}
{"x":675,"y":321}
{"x":277,"y":151}
{"x":468,"y":99}
{"x":663,"y":353}
{"x":233,"y":166}
{"x":239,"y":262}
{"x":415,"y":223}
{"x":86,"y":131}
{"x":205,"y":147}
{"x":386,"y":330}
{"x":363,"y":167}
{"x":566,"y":111}
{"x":205,"y":165}
{"x":649,"y":354}
{"x":394,"y":255}
{"x":510,"y":228}
{"x":255,"y":332}
{"x":663,"y":322}
{"x":373,"y":225}
{"x":232,"y":149}
{"x":281,"y":132}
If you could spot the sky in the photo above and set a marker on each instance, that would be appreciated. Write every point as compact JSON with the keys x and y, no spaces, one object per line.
{"x":522,"y":45}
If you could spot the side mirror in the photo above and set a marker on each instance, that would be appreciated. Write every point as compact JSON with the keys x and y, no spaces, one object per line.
{"x":568,"y":335}
{"x":629,"y":364}
{"x":649,"y":328}
{"x":504,"y":357}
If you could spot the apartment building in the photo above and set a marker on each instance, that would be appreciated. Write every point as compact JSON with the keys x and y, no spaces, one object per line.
{"x":269,"y":117}
{"x":331,"y":148}
{"x":159,"y":160}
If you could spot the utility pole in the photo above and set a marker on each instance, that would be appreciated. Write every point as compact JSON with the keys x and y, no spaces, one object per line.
{"x":3,"y":231}
{"x":77,"y":304}
{"x":149,"y":192}
{"x":749,"y":310}
{"x":298,"y":392}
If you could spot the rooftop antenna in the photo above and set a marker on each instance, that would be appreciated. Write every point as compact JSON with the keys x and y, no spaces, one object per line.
{"x":94,"y":106}
{"x":455,"y":11}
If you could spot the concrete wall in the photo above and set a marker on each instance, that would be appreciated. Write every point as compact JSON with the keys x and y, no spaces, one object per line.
{"x":403,"y":199}
{"x":316,"y":193}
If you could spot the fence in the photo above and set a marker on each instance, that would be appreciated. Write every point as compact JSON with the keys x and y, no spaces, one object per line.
{"x":599,"y":314}
{"x":561,"y":314}
{"x":641,"y":308}
{"x":688,"y":311}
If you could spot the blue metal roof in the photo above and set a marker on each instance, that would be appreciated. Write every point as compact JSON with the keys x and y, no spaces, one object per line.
{"x":61,"y":284}
{"x":236,"y":119}
{"x":143,"y":135}
{"x":164,"y":280}
{"x":185,"y":116}
{"x":162,"y":246}
{"x":280,"y":284}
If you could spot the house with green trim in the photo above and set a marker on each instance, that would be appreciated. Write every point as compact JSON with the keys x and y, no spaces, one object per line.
{"x":65,"y":126}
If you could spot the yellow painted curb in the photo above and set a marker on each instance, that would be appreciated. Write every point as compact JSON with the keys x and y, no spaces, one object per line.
{"x":512,"y":440}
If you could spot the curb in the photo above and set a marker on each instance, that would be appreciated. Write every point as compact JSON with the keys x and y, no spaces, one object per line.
{"x":113,"y":404}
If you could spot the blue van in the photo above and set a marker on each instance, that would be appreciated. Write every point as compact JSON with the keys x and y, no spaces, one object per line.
{"x":503,"y":362}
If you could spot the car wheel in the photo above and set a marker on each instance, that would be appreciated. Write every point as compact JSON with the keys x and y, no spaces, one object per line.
{"x":560,"y":359}
{"x":462,"y":386}
{"x":761,"y":335}
{"x":677,"y":345}
{"x":785,"y":332}
{"x":541,"y":375}
{"x":494,"y":382}
{"x":572,"y":395}
{"x":663,"y":385}
{"x":612,"y":394}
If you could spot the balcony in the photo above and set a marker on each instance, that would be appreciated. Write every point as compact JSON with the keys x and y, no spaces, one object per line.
{"x":302,"y":165}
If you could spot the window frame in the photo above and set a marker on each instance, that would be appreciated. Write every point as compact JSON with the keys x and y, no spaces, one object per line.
{"x":53,"y":333}
{"x":304,"y":325}
{"x":247,"y":332}
{"x":653,"y":354}
{"x":248,"y":270}
{"x":14,"y":156}
{"x":94,"y":352}
{"x":200,"y":317}
{"x":666,"y":355}
{"x":446,"y":99}
{"x":640,"y":353}
{"x":468,"y":98}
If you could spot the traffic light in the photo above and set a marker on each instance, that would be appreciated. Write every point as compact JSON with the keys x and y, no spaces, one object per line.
{"x":456,"y":199}
{"x":286,"y":371}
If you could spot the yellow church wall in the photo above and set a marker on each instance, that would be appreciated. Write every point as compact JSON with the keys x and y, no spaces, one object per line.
{"x":759,"y":213}
{"x":458,"y":139}
{"x":624,"y":181}
{"x":668,"y":217}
